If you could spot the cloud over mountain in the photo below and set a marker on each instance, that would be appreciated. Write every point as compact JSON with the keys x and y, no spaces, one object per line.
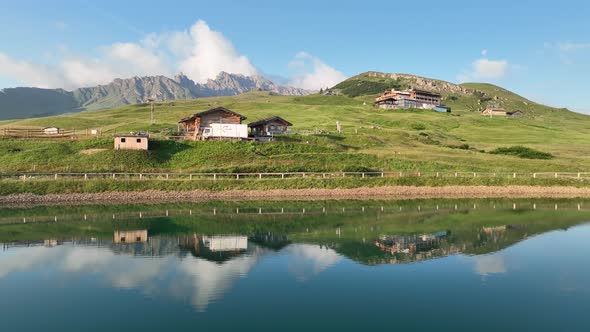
{"x":200,"y":52}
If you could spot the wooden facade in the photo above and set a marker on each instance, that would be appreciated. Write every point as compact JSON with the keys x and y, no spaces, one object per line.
{"x":193,"y":126}
{"x":494,"y":111}
{"x":269,"y":127}
{"x":412,"y":98}
{"x":135,"y":236}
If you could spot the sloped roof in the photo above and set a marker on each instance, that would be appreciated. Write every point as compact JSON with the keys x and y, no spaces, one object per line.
{"x":213,"y":110}
{"x":267,"y":120}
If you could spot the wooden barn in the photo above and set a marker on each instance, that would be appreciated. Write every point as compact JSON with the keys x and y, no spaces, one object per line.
{"x":194,"y":125}
{"x":494,"y":111}
{"x":269,"y":127}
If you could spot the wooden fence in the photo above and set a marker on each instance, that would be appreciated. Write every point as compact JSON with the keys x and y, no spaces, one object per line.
{"x":285,"y":175}
{"x":40,"y":133}
{"x":389,"y":209}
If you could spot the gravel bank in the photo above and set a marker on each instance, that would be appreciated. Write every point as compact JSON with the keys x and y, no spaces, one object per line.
{"x":391,"y":193}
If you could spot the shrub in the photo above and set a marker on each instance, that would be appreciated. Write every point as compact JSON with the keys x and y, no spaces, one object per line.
{"x":418,"y":126}
{"x":522,"y":152}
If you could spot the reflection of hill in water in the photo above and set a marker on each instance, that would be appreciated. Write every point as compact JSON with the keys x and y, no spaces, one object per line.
{"x":366,"y":232}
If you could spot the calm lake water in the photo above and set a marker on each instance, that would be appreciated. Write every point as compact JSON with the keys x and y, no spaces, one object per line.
{"x":441,"y":265}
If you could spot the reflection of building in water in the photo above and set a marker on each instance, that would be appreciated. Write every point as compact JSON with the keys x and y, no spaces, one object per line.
{"x":225,"y":243}
{"x":493,"y":234}
{"x":136,"y":236}
{"x":51,"y":243}
{"x":270,"y":240}
{"x":215,"y":248}
{"x":416,"y":247}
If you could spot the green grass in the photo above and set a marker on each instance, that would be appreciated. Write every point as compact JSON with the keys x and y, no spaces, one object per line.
{"x":42,"y":187}
{"x":522,"y":152}
{"x":372,"y":139}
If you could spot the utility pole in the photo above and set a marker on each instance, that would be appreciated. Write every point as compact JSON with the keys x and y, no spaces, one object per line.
{"x":152,"y":118}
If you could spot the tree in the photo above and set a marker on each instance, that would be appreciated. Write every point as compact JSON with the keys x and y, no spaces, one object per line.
{"x":321,"y":91}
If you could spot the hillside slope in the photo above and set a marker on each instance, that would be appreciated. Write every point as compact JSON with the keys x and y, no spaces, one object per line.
{"x":373,"y":138}
{"x":466,"y":97}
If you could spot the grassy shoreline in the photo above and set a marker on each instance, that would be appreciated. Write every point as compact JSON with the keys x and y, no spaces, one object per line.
{"x":69,"y":191}
{"x":64,"y":186}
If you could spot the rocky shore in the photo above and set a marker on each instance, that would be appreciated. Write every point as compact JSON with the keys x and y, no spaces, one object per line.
{"x":388,"y":193}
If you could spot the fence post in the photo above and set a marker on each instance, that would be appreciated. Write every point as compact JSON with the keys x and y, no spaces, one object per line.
{"x":85,"y":177}
{"x":214,"y":176}
{"x":167,"y":176}
{"x":363,"y":175}
{"x":260,"y":175}
{"x":556,"y":175}
{"x":579,"y":175}
{"x":436,"y":174}
{"x":514,"y":175}
{"x":55,"y":176}
{"x":534,"y":175}
{"x":456,"y":175}
{"x":113,"y":176}
{"x":282,"y":175}
{"x":237,"y":176}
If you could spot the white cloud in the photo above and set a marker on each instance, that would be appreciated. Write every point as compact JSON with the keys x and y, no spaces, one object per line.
{"x":485,"y":69}
{"x":80,"y":72}
{"x":571,"y":46}
{"x":199,"y":52}
{"x":30,"y":73}
{"x":210,"y":53}
{"x":309,"y":260}
{"x":312,"y":73}
{"x":492,"y":264}
{"x":141,"y":59}
{"x":484,"y":52}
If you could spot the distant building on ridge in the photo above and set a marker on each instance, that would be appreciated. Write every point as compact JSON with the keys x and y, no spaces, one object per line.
{"x":411,"y":98}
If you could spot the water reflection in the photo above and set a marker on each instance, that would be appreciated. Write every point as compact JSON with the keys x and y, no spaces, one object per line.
{"x":200,"y":260}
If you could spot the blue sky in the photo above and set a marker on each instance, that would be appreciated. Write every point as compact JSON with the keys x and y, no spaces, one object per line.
{"x":540,"y":49}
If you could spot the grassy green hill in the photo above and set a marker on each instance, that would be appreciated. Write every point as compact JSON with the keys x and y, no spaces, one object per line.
{"x":372,"y":138}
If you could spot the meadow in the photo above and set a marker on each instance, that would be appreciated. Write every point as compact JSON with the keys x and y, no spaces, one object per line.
{"x":545,"y":140}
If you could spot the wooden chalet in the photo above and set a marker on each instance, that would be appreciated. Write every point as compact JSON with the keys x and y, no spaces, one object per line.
{"x":193,"y":125}
{"x":494,"y":111}
{"x":515,"y":114}
{"x":411,"y":98}
{"x":270,"y":126}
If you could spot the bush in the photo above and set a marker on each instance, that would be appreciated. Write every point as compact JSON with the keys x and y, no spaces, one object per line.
{"x":522,"y":152}
{"x":358,"y":169}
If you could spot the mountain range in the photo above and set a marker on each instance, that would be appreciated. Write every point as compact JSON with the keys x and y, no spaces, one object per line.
{"x":22,"y":102}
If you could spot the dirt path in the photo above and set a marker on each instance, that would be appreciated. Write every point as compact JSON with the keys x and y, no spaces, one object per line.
{"x":385,"y":193}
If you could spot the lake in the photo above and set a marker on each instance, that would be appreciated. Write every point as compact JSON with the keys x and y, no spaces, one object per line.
{"x":425,"y":265}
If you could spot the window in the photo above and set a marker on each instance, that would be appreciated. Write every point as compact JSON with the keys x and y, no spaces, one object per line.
{"x":122,"y":139}
{"x":122,"y":239}
{"x":138,"y":239}
{"x":139,"y":140}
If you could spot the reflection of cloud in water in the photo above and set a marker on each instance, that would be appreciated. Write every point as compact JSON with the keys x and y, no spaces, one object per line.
{"x":310,"y":260}
{"x":203,"y":281}
{"x":209,"y":280}
{"x":490,"y":264}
